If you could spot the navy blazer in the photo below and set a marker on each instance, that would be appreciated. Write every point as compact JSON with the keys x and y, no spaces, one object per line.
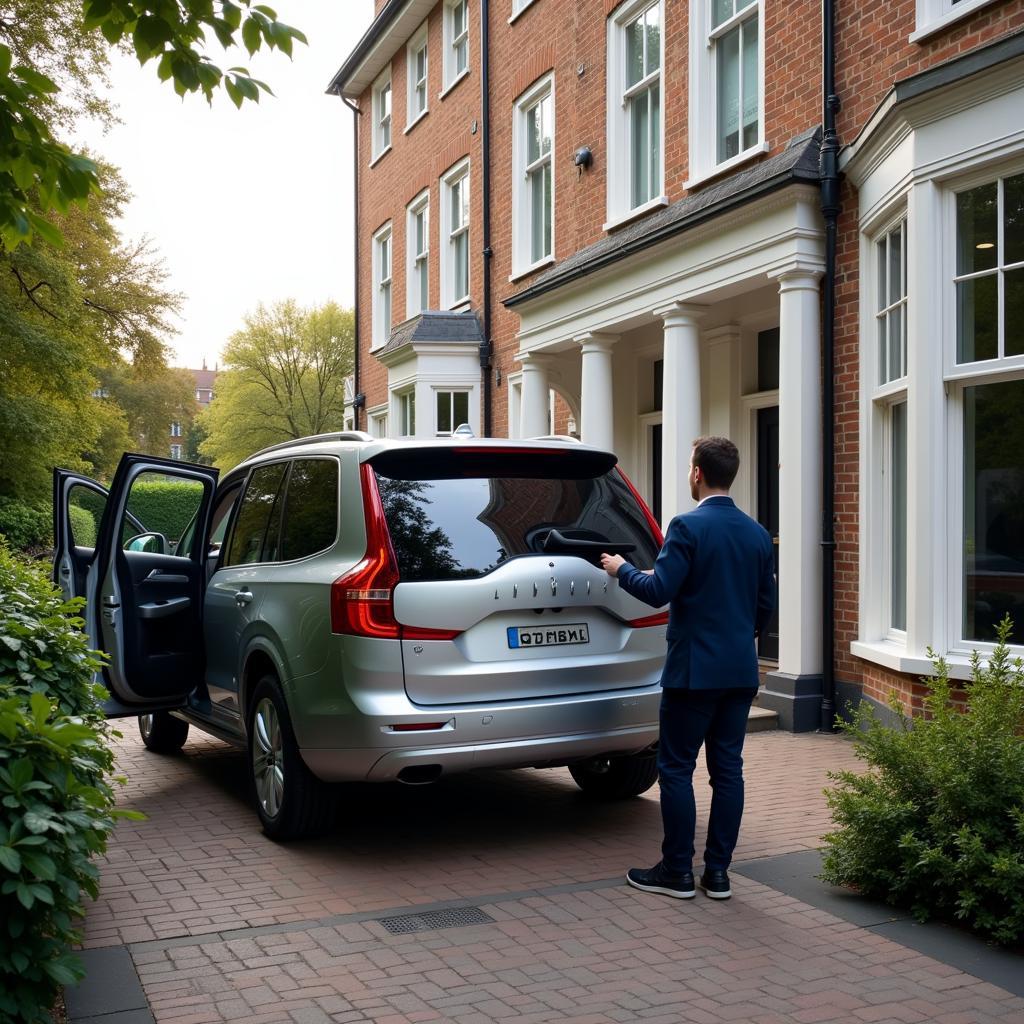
{"x":716,"y":571}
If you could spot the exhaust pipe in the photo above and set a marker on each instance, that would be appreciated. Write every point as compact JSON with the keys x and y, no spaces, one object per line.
{"x":420,"y":774}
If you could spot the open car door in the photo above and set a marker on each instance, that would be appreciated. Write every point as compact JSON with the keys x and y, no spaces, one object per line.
{"x":143,"y":603}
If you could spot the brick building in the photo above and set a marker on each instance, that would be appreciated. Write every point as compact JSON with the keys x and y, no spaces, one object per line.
{"x":204,"y":380}
{"x":609,"y":216}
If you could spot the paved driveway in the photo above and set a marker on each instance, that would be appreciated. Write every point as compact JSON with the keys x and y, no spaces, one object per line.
{"x":222,"y":924}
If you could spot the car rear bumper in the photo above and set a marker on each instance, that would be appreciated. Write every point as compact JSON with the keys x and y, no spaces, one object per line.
{"x":514,"y":735}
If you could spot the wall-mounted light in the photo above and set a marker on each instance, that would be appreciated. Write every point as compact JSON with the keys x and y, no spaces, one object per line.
{"x":985,"y":245}
{"x":583,"y":158}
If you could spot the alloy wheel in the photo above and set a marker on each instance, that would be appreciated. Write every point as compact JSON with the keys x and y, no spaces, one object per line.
{"x":268,"y":758}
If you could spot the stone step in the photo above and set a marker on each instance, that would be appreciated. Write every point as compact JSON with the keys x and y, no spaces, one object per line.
{"x":762,"y":720}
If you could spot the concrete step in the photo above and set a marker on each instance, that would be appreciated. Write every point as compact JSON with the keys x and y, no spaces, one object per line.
{"x":762,"y":720}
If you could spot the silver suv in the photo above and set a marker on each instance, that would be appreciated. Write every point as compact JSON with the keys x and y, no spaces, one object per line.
{"x":348,"y":608}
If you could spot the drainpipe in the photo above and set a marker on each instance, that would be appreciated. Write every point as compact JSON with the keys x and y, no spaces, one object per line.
{"x":486,"y":349}
{"x":830,"y":209}
{"x":356,"y":403}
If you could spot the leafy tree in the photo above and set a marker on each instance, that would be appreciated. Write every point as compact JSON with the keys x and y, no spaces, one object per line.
{"x":50,"y":50}
{"x":284,"y":378}
{"x":66,"y":315}
{"x":195,"y":435}
{"x":152,"y":399}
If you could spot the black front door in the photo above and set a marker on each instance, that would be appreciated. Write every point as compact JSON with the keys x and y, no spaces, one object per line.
{"x":768,"y":508}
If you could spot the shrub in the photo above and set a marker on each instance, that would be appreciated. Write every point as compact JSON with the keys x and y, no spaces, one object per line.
{"x":56,"y":802}
{"x":937,"y":822}
{"x":165,"y":506}
{"x":83,"y":526}
{"x":25,"y":526}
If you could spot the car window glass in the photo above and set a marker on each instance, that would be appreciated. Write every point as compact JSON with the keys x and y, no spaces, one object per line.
{"x":85,"y":509}
{"x":272,"y":538}
{"x":164,"y":504}
{"x":311,"y":509}
{"x":221,"y":516}
{"x":254,"y":514}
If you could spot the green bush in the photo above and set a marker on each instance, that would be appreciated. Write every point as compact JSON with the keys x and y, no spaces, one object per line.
{"x":165,"y":506}
{"x":937,"y":822}
{"x":25,"y":526}
{"x":56,"y":802}
{"x":83,"y":526}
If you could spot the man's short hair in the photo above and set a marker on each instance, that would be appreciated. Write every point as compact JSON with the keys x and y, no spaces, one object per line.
{"x":718,"y":459}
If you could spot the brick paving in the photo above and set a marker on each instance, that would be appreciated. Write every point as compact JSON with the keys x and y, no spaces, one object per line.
{"x":224,"y":925}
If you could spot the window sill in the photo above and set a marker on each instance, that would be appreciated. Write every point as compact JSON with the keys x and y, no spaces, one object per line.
{"x":419,"y":117}
{"x":963,"y":10}
{"x":652,"y":204}
{"x":460,"y":306}
{"x":726,"y":166}
{"x":380,"y":156}
{"x":526,"y":271}
{"x":894,"y":657}
{"x":518,"y":14}
{"x":451,"y":85}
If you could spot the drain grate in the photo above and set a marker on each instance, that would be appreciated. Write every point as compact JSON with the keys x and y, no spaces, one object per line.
{"x":432,"y":920}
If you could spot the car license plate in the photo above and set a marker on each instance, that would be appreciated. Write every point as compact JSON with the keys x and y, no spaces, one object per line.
{"x":548,"y":636}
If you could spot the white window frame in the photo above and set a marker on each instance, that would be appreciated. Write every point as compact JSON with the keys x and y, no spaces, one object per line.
{"x":175,"y":429}
{"x":417,"y":44}
{"x":377,"y":420}
{"x":383,"y":124}
{"x":414,"y":260}
{"x":957,"y":378}
{"x":703,"y":135}
{"x":452,"y":74}
{"x":383,"y":286}
{"x":619,"y":199}
{"x":405,"y":407}
{"x":449,"y":300}
{"x":451,"y":392}
{"x":176,"y":450}
{"x":522,"y":220}
{"x":518,"y":6}
{"x":937,"y":15}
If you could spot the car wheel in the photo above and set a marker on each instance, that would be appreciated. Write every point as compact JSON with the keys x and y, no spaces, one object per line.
{"x":162,"y":732}
{"x":616,"y":778}
{"x":291,"y":801}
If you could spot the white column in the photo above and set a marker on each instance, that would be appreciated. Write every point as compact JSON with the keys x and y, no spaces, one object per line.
{"x":534,"y":417}
{"x":800,"y":431}
{"x":928,"y":484}
{"x":680,"y":404}
{"x":597,"y":399}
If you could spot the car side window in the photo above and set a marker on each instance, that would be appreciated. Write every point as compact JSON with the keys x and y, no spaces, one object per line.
{"x":256,"y":516}
{"x":311,"y":508}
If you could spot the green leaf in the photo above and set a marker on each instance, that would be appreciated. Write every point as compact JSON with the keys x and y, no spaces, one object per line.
{"x":24,"y":894}
{"x":252,"y":37}
{"x":37,"y":823}
{"x":40,"y":709}
{"x":5,"y":61}
{"x":60,"y":972}
{"x":10,"y":859}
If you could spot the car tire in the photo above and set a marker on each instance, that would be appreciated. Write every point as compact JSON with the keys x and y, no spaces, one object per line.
{"x":616,"y":778}
{"x":292,"y":803}
{"x":162,"y":732}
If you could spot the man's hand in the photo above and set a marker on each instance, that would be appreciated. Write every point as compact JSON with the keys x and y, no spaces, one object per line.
{"x":612,"y":563}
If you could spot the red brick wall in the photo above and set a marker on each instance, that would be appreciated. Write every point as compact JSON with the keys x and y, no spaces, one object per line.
{"x":872,"y":53}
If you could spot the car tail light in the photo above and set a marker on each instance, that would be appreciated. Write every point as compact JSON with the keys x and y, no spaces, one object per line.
{"x":658,"y":619}
{"x":362,"y":601}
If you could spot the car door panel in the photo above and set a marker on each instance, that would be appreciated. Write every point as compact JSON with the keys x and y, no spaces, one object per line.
{"x":146,"y":607}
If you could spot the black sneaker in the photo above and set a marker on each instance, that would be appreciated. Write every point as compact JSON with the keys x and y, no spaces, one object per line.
{"x":657,"y":879}
{"x":716,"y":884}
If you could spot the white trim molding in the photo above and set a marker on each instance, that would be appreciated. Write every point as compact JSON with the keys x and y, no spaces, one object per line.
{"x":530,"y":171}
{"x":417,"y":84}
{"x":453,"y":236}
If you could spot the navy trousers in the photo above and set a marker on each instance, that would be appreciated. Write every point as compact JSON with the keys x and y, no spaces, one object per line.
{"x":718,"y":720}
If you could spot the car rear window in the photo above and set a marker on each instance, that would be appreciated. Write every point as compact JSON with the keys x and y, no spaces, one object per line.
{"x":459,"y":518}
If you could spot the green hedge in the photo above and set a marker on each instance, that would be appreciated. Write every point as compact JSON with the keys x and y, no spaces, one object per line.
{"x":25,"y":526}
{"x":56,"y":802}
{"x":165,"y":506}
{"x":936,"y":824}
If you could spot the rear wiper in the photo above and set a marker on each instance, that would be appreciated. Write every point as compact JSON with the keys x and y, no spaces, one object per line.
{"x":556,"y":541}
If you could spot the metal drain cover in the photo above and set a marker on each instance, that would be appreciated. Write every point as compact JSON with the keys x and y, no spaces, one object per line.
{"x":432,"y":920}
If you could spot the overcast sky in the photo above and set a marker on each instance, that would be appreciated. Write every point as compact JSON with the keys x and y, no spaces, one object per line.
{"x":244,"y":206}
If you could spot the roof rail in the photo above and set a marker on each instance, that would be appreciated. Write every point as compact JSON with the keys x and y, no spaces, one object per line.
{"x":342,"y":435}
{"x":557,"y":437}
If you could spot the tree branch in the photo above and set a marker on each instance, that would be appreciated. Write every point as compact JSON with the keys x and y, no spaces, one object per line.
{"x":30,"y":293}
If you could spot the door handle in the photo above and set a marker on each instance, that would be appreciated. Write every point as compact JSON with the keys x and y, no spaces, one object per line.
{"x":161,"y":609}
{"x":156,"y":576}
{"x":243,"y":597}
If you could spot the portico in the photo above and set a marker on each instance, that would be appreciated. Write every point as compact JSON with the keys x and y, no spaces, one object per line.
{"x":716,"y":330}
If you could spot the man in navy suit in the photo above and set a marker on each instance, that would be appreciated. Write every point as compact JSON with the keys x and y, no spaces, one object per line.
{"x":716,"y":572}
